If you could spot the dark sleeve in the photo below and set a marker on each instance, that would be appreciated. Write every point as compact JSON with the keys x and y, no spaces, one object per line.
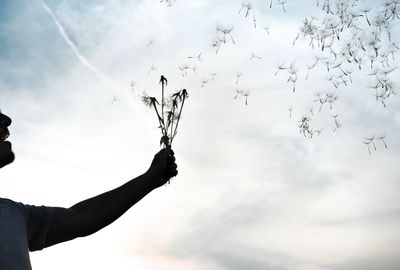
{"x":39,"y":219}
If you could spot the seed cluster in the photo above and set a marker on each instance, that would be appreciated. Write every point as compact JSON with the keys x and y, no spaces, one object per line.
{"x":168,"y":112}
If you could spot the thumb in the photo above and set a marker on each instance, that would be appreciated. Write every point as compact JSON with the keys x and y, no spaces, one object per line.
{"x":164,"y":153}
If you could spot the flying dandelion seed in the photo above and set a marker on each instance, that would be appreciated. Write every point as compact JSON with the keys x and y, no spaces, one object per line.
{"x":238,"y":92}
{"x":247,"y":7}
{"x":371,"y":140}
{"x":267,"y":29}
{"x":243,"y":93}
{"x":305,"y":128}
{"x":238,"y":75}
{"x":225,"y":31}
{"x":149,"y":43}
{"x":133,"y":83}
{"x":198,"y":57}
{"x":283,"y":2}
{"x":337,"y":123}
{"x":152,"y":68}
{"x":382,"y":139}
{"x":254,"y":56}
{"x":280,"y":68}
{"x":168,"y":2}
{"x":290,"y":111}
{"x":367,"y":144}
{"x":114,"y":99}
{"x":204,"y":82}
{"x":255,"y":21}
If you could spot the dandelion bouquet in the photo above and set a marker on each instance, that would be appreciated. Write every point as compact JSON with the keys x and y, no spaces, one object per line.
{"x":168,"y":112}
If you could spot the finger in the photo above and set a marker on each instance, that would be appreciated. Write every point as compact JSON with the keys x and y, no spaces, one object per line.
{"x":172,"y":170}
{"x":172,"y":173}
{"x":168,"y":150}
{"x":173,"y":166}
{"x":171,"y":159}
{"x":164,"y":153}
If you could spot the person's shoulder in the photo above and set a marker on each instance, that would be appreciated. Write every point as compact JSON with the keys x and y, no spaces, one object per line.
{"x":12,"y":202}
{"x":7,"y":201}
{"x":12,"y":205}
{"x":20,"y":205}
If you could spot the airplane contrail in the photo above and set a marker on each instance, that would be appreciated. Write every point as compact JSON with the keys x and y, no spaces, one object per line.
{"x":82,"y":59}
{"x":73,"y":47}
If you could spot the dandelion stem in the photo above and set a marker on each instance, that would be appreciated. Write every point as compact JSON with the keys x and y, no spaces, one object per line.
{"x":160,"y":120}
{"x":179,"y":115}
{"x":163,"y":80}
{"x":174,"y":102}
{"x":168,"y":119}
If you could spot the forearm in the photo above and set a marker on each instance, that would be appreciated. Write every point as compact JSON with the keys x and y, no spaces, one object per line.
{"x":102,"y":210}
{"x":93,"y":214}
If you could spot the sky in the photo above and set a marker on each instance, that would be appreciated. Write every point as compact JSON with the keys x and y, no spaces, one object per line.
{"x":252,"y":192}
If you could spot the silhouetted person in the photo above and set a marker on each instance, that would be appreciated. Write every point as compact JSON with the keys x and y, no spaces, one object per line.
{"x":25,"y":228}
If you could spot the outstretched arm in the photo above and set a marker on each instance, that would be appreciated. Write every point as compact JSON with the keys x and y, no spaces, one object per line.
{"x":91,"y":215}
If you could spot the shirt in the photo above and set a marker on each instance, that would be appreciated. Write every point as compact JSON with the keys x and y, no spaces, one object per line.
{"x":23,"y":228}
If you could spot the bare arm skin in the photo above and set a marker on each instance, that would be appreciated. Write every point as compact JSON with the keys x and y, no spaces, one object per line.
{"x":91,"y":215}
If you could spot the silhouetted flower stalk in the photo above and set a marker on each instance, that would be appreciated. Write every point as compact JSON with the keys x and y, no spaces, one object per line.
{"x":163,"y":82}
{"x":183,"y":95}
{"x":167,"y":119}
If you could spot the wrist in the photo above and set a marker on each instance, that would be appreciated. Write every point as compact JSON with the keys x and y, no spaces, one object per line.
{"x":149,"y":181}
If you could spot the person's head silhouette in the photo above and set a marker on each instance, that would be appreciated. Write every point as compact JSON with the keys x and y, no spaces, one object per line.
{"x":6,"y":153}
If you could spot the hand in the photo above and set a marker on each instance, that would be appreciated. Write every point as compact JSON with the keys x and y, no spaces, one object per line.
{"x":162,"y":168}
